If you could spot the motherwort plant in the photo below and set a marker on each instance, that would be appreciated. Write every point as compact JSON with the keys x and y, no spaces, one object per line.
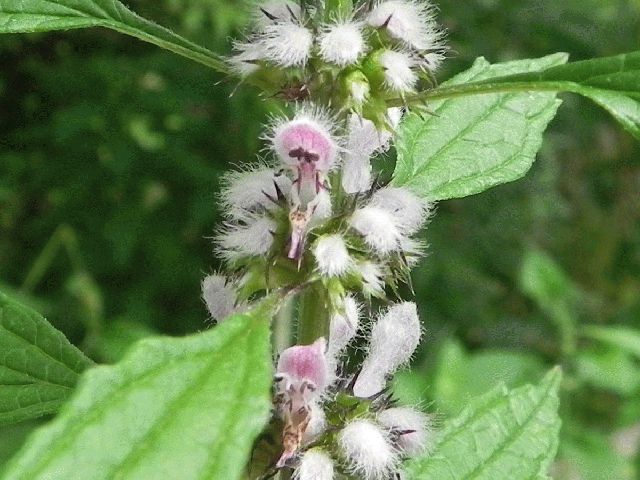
{"x":312,"y":219}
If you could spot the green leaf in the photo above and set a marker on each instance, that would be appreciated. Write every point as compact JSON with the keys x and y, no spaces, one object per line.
{"x":39,"y":368}
{"x":503,"y":435}
{"x":186,"y":408}
{"x":542,"y":279}
{"x":462,"y":376}
{"x":624,"y":338}
{"x":22,"y":16}
{"x":470,"y":144}
{"x":611,"y":82}
{"x":609,"y":369}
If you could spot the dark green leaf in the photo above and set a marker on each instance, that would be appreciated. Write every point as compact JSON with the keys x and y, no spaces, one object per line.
{"x":504,"y":435}
{"x":39,"y":368}
{"x":470,"y":144}
{"x":20,"y":16}
{"x":186,"y":408}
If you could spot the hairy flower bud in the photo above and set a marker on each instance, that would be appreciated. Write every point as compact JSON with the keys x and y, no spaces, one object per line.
{"x":367,"y":450}
{"x":244,"y":192}
{"x":332,"y":256}
{"x":394,"y":338}
{"x":315,"y":464}
{"x":246,"y":58}
{"x":251,"y":237}
{"x":286,"y":44}
{"x":372,"y":278}
{"x":414,"y":429}
{"x":342,"y":43}
{"x":377,"y":227}
{"x":342,"y":329}
{"x":409,"y":21}
{"x":219,"y":296}
{"x":399,"y":70}
{"x":408,"y":211}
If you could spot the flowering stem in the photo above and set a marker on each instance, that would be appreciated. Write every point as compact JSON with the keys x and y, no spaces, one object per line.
{"x":313,"y":317}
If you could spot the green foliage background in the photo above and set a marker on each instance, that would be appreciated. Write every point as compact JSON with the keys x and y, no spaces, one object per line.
{"x":110,"y":156}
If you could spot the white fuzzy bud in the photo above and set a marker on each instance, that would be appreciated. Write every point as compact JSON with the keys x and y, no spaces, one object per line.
{"x":408,"y":211}
{"x":322,"y":208}
{"x":363,"y":142}
{"x":332,"y":256}
{"x":394,"y":338}
{"x":244,"y":61}
{"x":413,"y":250}
{"x":399,"y":70}
{"x":367,"y":450}
{"x":252,"y":237}
{"x":342,"y":43}
{"x":219,"y":296}
{"x":415,"y":429}
{"x":372,"y":277}
{"x":286,"y":44}
{"x":276,"y":11}
{"x":409,"y":21}
{"x":317,"y":423}
{"x":315,"y":464}
{"x":378,"y":228}
{"x":244,"y":192}
{"x":342,"y":329}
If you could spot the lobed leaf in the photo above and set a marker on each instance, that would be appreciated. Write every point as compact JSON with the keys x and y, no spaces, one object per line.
{"x":470,"y":144}
{"x":39,"y":368}
{"x":22,"y":16}
{"x":185,"y":408}
{"x":503,"y":435}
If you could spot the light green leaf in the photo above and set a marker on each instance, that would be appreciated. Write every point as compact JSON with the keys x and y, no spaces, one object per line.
{"x":470,"y":144}
{"x":21,"y":16}
{"x":39,"y":368}
{"x":611,"y":82}
{"x":186,"y":408}
{"x":504,"y":435}
{"x":625,"y":338}
{"x":609,"y":369}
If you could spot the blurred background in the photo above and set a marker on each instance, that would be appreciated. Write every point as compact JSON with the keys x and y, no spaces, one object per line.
{"x":111,"y":152}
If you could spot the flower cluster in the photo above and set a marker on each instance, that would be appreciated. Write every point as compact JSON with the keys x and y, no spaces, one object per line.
{"x":350,"y":424}
{"x":357,"y":58}
{"x":310,"y":216}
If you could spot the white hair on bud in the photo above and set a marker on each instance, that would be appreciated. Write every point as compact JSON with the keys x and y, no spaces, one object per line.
{"x":276,"y":11}
{"x":360,"y":91}
{"x":342,"y":329}
{"x":315,"y":464}
{"x":286,"y":44}
{"x":367,"y":450}
{"x":342,"y":43}
{"x":399,"y":74}
{"x":244,"y":61}
{"x":410,"y":21}
{"x":408,"y":211}
{"x":219,"y":296}
{"x":394,"y":338}
{"x":413,"y":250}
{"x":332,"y":256}
{"x":322,"y":208}
{"x":415,"y":429}
{"x":251,"y":237}
{"x":372,"y":277}
{"x":363,"y":142}
{"x":378,"y":228}
{"x":248,"y":191}
{"x":317,"y":423}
